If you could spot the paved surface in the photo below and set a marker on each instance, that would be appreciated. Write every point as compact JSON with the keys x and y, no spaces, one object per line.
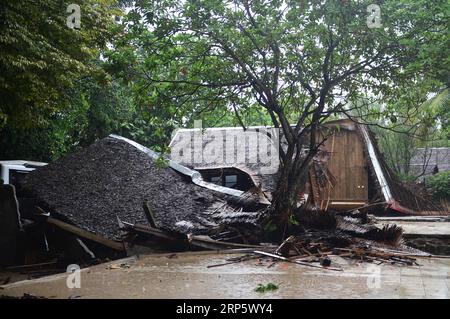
{"x":441,"y":229}
{"x":187,"y":276}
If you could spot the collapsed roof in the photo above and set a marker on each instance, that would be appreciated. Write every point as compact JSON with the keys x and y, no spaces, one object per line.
{"x":185,"y":148}
{"x":398,"y":197}
{"x":111,"y":179}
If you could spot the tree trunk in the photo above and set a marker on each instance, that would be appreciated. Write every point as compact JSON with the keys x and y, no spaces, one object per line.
{"x":289,"y":185}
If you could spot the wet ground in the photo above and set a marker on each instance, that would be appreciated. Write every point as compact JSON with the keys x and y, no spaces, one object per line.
{"x":186,"y":276}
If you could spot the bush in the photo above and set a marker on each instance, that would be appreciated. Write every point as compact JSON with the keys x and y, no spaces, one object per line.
{"x":440,"y":185}
{"x":406,"y":177}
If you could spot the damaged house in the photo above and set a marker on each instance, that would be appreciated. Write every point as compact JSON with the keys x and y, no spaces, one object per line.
{"x":117,"y":197}
{"x":84,"y":203}
{"x":348,"y":172}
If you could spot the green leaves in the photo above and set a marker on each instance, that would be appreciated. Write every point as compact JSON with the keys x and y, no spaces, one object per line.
{"x":266,"y":288}
{"x":440,"y":185}
{"x":40,"y":57}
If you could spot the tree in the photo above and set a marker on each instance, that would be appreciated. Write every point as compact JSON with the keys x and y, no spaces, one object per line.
{"x":300,"y":61}
{"x":92,"y":112}
{"x":41,"y":57}
{"x":440,"y":104}
{"x":413,"y":125}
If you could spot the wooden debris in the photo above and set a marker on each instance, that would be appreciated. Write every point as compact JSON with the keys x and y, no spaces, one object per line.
{"x":149,"y":214}
{"x":187,"y":241}
{"x":294,"y":261}
{"x":83,"y":233}
{"x":32,"y":266}
{"x":234,"y":261}
{"x":286,"y":246}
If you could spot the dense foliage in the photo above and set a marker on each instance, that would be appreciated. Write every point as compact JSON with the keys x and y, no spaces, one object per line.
{"x":41,"y":57}
{"x":297,"y":62}
{"x":440,"y":185}
{"x":141,"y":68}
{"x":55,"y":92}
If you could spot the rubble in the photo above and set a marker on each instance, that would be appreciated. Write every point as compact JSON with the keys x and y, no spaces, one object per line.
{"x":114,"y":199}
{"x":101,"y":201}
{"x":349,"y":170}
{"x":110,"y":179}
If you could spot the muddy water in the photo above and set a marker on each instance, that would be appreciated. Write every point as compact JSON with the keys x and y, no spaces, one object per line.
{"x":187,"y":276}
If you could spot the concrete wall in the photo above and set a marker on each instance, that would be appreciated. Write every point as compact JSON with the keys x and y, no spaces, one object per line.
{"x":428,"y":158}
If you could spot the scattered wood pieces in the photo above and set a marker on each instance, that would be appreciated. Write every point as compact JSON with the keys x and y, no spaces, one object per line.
{"x":367,"y":254}
{"x":294,"y":261}
{"x":188,"y":241}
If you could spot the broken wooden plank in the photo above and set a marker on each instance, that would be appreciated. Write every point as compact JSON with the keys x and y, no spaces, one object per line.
{"x":85,"y":234}
{"x":412,"y":218}
{"x":366,"y":206}
{"x":285,"y":247}
{"x":85,"y":248}
{"x":78,"y":231}
{"x":149,"y":214}
{"x":147,"y":230}
{"x":32,"y":266}
{"x":233,"y":262}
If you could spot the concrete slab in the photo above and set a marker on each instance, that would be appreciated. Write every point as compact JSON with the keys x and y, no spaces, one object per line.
{"x":187,"y":276}
{"x":420,"y":228}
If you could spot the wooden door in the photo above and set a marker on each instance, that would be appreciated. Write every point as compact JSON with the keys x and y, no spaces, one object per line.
{"x":347,"y":164}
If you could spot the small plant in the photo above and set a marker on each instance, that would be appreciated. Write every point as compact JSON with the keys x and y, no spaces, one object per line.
{"x":293,"y":221}
{"x":440,"y":185}
{"x":161,"y":162}
{"x":265,"y":288}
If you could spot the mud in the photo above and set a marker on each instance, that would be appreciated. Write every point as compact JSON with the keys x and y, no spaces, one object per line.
{"x":186,"y":275}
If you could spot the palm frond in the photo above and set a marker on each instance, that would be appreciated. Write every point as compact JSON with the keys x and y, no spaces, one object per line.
{"x":438,"y":101}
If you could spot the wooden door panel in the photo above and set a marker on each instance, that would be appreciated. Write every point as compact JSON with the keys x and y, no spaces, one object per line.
{"x":347,"y":164}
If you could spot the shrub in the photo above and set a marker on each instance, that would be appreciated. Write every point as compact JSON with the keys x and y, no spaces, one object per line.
{"x":406,"y":177}
{"x":440,"y":185}
{"x":264,"y":288}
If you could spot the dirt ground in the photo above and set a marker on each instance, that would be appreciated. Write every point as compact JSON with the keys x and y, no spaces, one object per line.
{"x":186,"y":275}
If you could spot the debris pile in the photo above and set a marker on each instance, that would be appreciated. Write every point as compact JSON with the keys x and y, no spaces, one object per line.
{"x":112,"y":199}
{"x":112,"y":179}
{"x":320,"y":255}
{"x":326,"y":235}
{"x":100,"y":201}
{"x":349,"y":170}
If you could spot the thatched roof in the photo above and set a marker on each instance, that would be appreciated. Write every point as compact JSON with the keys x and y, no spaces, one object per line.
{"x":112,"y":178}
{"x":391,"y":190}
